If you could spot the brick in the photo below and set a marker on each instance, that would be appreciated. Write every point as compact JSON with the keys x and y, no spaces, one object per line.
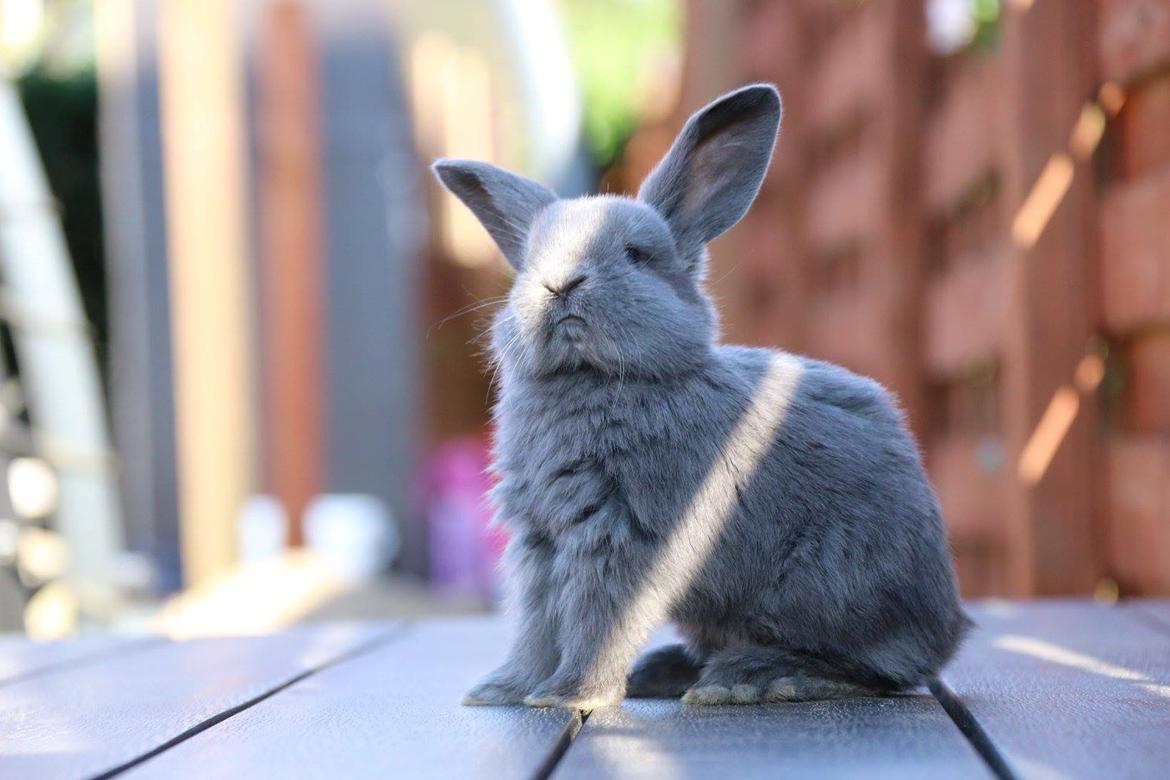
{"x":1139,"y":513}
{"x":961,"y":135}
{"x":772,"y":46}
{"x":1147,"y":402}
{"x":846,"y":327}
{"x":969,"y":476}
{"x":851,"y":69}
{"x":1143,"y":136}
{"x":1134,"y":38}
{"x":1135,"y":256}
{"x":757,"y":281}
{"x":846,"y":202}
{"x":965,"y":311}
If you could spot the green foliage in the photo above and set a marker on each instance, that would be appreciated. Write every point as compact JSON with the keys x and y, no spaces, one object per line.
{"x":987,"y":17}
{"x":62,"y":111}
{"x":614,"y":43}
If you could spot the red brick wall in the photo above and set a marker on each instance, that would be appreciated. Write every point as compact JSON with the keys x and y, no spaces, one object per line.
{"x":950,"y":227}
{"x":1134,"y":212}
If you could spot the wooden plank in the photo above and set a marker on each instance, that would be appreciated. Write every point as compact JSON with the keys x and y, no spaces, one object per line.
{"x":95,"y":718}
{"x":1068,"y":688}
{"x":394,"y":712}
{"x":1134,"y":246}
{"x":1053,"y":531}
{"x":21,"y":657}
{"x":899,"y":256}
{"x":906,"y":736}
{"x":209,"y":272}
{"x":291,"y":240}
{"x":903,"y":736}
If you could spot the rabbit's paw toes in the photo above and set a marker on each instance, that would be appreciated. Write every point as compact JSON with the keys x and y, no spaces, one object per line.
{"x":746,"y":694}
{"x":493,"y":694}
{"x":783,"y":689}
{"x":574,"y":698}
{"x":708,"y":694}
{"x":803,"y":688}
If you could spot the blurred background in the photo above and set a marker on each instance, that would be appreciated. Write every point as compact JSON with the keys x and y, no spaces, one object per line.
{"x":241,"y":378}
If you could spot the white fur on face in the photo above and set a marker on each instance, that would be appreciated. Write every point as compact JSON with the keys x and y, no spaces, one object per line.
{"x":635,"y":319}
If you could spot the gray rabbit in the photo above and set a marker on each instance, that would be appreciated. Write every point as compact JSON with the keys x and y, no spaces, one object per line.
{"x":773,"y":506}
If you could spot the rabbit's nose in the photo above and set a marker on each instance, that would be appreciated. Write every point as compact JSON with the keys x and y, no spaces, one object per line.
{"x":561,"y":290}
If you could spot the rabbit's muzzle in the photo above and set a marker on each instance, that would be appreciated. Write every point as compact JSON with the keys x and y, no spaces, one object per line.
{"x":562,"y":290}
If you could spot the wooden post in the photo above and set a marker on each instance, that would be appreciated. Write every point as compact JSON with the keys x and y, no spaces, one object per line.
{"x":1050,"y":430}
{"x":900,"y":237}
{"x":203,"y":156}
{"x":141,"y":393}
{"x":290,"y":232}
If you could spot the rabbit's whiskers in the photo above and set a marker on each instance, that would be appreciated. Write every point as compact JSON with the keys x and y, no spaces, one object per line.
{"x":474,"y":306}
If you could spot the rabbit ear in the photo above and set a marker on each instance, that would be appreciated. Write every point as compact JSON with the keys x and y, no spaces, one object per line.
{"x":711,"y":175}
{"x":503,"y":202}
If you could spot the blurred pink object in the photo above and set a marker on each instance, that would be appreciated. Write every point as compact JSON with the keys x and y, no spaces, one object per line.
{"x":464,"y":550}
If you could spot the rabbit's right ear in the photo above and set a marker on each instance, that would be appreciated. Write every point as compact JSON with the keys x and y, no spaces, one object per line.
{"x":711,"y":175}
{"x":505,"y":203}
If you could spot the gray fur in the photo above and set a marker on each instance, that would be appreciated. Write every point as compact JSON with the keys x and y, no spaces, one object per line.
{"x":503,"y":202}
{"x":710,"y":176}
{"x":773,"y":506}
{"x":664,"y":673}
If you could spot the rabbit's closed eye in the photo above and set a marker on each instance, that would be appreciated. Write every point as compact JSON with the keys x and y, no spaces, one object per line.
{"x":636,"y":255}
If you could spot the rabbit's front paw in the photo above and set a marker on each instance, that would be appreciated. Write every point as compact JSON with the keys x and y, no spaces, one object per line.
{"x":496,"y":690}
{"x":487,"y":694}
{"x":575,"y":695}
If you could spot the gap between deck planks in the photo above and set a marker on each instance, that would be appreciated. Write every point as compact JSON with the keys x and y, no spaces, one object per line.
{"x":393,"y":712}
{"x":1067,"y":688}
{"x":97,"y":718}
{"x":344,"y":722}
{"x":1071,"y":688}
{"x":1041,"y":689}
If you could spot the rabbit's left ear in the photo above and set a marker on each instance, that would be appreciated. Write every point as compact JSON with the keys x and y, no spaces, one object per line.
{"x":711,"y":175}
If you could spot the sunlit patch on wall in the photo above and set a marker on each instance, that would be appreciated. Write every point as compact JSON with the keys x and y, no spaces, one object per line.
{"x":452,"y":95}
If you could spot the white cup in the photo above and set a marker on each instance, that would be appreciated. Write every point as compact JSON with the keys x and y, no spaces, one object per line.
{"x":261,"y":529}
{"x":353,"y":532}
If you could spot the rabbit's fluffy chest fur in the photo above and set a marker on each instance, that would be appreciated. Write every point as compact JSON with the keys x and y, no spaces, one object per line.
{"x":589,"y":454}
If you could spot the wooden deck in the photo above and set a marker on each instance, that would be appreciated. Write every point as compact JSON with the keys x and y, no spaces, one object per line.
{"x":1047,"y":689}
